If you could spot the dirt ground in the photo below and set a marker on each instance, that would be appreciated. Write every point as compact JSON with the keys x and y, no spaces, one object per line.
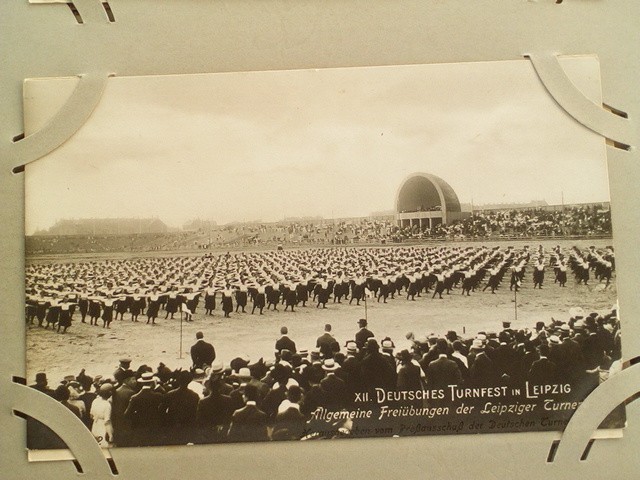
{"x":97,"y":349}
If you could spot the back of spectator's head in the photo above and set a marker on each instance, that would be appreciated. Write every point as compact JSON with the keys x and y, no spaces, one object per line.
{"x":199,"y":335}
{"x":184,"y":378}
{"x":105,"y":390}
{"x":543,"y":349}
{"x":284,"y":330}
{"x":280,"y":373}
{"x":294,"y":393}
{"x":327,"y":327}
{"x":61,"y":393}
{"x":442,"y":346}
{"x":251,"y":392}
{"x":458,"y":346}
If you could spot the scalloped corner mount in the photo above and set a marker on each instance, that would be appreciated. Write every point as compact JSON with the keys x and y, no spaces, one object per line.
{"x":67,"y":121}
{"x":592,"y":116}
{"x":590,"y":414}
{"x":64,"y":423}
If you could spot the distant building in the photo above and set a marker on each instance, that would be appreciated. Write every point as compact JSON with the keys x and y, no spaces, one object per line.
{"x":425,"y":200}
{"x":107,"y":226}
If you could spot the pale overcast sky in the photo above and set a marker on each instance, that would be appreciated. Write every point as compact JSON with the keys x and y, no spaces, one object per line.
{"x":330,"y":142}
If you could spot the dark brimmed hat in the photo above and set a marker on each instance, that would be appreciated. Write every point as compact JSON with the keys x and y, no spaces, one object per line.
{"x":404,"y":355}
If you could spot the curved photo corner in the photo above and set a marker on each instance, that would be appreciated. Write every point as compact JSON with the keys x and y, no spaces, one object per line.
{"x":53,"y":131}
{"x":63,"y":423}
{"x":551,"y":73}
{"x":596,"y":406}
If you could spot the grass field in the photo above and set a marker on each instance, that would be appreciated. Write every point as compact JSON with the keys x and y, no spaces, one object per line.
{"x":98,"y":350}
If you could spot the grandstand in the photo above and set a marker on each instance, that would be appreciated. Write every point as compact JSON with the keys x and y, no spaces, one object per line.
{"x":569,"y":221}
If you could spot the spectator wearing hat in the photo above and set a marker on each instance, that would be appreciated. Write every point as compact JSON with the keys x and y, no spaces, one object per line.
{"x":75,"y":392}
{"x":280,"y":375}
{"x":144,"y":413}
{"x":284,"y":342}
{"x":409,"y":373}
{"x":351,"y":370}
{"x":290,"y":422}
{"x":543,"y":371}
{"x":333,"y":387}
{"x":42,"y":384}
{"x":460,"y":358}
{"x":180,"y":406}
{"x":363,"y":334}
{"x":102,"y":428}
{"x":123,"y":370}
{"x":376,"y":371}
{"x":202,"y":353}
{"x":442,"y":371}
{"x":61,"y":393}
{"x":505,"y":358}
{"x":483,"y":371}
{"x":249,"y":423}
{"x":387,"y":347}
{"x":327,"y":343}
{"x":120,"y":402}
{"x":530,"y":355}
{"x":213,"y":414}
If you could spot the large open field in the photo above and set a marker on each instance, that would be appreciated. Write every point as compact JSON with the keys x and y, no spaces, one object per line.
{"x":98,"y":350}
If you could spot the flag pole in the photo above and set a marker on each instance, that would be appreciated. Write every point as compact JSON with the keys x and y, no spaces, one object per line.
{"x":180,"y":333}
{"x":365,"y":305}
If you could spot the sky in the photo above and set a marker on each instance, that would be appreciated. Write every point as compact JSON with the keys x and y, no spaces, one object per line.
{"x":329,"y":142}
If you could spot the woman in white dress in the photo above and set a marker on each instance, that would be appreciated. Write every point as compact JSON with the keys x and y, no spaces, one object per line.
{"x":102,"y":429}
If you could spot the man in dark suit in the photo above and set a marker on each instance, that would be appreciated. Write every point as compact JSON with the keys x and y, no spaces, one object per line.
{"x":120,"y":402}
{"x":333,"y":387}
{"x":213,"y":415}
{"x":408,"y":373}
{"x":327,"y":343}
{"x":180,"y":405}
{"x":202,"y":353}
{"x":284,"y":342}
{"x":249,"y":423}
{"x":145,"y":415}
{"x":363,"y":334}
{"x":375,"y":370}
{"x":543,"y":371}
{"x":42,"y":384}
{"x":290,"y":422}
{"x":442,"y":371}
{"x":123,"y":370}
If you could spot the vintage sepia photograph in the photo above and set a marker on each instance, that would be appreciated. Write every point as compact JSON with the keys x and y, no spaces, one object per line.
{"x":319,"y":254}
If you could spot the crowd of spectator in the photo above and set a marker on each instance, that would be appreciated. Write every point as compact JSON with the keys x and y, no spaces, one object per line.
{"x":300,"y":392}
{"x":529,"y":223}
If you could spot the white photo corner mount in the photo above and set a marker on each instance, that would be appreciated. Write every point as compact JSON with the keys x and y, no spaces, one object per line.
{"x":611,"y":123}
